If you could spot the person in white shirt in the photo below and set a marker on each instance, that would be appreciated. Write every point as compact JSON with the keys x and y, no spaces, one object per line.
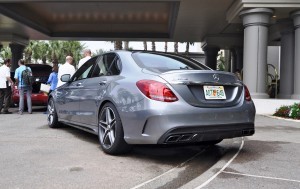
{"x":5,"y":86}
{"x":87,"y":55}
{"x":66,"y":68}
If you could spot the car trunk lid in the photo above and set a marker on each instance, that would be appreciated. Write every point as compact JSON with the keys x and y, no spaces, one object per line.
{"x":206,"y":88}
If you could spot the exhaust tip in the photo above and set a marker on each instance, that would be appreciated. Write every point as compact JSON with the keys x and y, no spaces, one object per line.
{"x":180,"y":138}
{"x":248,"y":132}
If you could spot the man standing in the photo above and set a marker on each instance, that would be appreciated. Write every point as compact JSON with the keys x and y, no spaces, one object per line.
{"x":87,"y":55}
{"x":23,"y":87}
{"x":66,"y":68}
{"x":5,"y":86}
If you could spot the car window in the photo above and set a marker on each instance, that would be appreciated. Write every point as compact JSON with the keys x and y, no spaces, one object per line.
{"x":108,"y":64}
{"x":85,"y":70}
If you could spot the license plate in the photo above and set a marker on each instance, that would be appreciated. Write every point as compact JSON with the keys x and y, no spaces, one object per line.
{"x":214,"y":92}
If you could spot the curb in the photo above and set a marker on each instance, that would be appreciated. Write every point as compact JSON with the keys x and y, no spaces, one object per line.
{"x":280,"y":118}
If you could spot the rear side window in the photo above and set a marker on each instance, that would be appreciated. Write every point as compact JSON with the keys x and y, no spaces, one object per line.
{"x":108,"y":64}
{"x":165,"y":62}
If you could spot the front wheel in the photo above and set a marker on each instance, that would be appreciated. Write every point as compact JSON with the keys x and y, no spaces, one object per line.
{"x":52,"y":115}
{"x":110,"y":131}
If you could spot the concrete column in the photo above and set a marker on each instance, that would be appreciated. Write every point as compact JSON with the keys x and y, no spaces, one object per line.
{"x":17,"y":54}
{"x":256,"y":22}
{"x":287,"y":55}
{"x":296,"y":18}
{"x":211,"y":54}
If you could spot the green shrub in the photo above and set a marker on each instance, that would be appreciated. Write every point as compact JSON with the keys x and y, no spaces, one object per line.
{"x":295,"y":111}
{"x":292,"y":111}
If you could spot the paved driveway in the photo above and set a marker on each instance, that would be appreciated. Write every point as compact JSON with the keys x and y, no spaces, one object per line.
{"x":35,"y":156}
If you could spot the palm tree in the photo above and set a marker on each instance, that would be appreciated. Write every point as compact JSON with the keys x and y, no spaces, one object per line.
{"x":176,"y":47}
{"x":28,"y":52}
{"x":55,"y":52}
{"x":187,"y":49}
{"x":72,"y":48}
{"x":126,"y":45}
{"x":153,"y":46}
{"x":5,"y":53}
{"x":99,"y":51}
{"x":118,"y":45}
{"x":166,"y":46}
{"x":43,"y":51}
{"x":145,"y":45}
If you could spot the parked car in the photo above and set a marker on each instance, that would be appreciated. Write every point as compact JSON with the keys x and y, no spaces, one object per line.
{"x":40,"y":73}
{"x":152,"y":98}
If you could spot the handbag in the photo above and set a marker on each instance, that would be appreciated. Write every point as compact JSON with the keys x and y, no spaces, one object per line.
{"x":45,"y":88}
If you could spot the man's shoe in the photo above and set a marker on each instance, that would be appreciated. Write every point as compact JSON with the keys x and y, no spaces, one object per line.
{"x":20,"y":112}
{"x":7,"y":112}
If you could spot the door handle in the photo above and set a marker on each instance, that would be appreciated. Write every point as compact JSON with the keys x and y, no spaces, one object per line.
{"x":103,"y":82}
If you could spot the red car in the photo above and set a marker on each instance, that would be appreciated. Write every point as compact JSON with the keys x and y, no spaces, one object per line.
{"x":40,"y":73}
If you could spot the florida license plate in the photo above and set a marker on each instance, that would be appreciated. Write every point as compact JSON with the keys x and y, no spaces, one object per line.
{"x":214,"y":92}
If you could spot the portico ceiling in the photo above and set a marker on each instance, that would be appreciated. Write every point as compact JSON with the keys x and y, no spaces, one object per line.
{"x":159,"y":20}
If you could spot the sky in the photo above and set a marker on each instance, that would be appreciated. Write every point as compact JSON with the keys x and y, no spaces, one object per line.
{"x":106,"y":46}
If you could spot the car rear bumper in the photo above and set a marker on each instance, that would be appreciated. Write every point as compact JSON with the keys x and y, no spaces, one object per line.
{"x":206,"y":133}
{"x":178,"y":123}
{"x":37,"y":99}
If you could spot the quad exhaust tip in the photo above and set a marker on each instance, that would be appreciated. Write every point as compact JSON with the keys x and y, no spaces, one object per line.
{"x":180,"y":138}
{"x":248,"y":132}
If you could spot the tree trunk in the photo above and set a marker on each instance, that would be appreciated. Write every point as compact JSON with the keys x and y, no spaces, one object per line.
{"x":118,"y":45}
{"x":166,"y":46}
{"x":153,"y":46}
{"x":126,"y":45}
{"x":176,"y":47}
{"x":145,"y":45}
{"x":187,"y":49}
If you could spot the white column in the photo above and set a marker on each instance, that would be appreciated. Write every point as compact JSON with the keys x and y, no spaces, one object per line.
{"x":256,"y":22}
{"x":296,"y":18}
{"x":286,"y":58}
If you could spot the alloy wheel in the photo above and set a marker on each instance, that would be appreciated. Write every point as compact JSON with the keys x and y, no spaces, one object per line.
{"x":107,"y":127}
{"x":50,"y":112}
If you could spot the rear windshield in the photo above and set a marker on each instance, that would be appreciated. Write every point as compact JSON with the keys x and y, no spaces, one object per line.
{"x":166,"y":62}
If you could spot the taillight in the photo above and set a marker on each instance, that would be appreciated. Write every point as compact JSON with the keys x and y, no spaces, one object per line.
{"x":247,"y":93}
{"x":156,"y":91}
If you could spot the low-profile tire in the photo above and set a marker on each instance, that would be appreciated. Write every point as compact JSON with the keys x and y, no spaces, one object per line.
{"x":52,"y":118}
{"x":110,"y":131}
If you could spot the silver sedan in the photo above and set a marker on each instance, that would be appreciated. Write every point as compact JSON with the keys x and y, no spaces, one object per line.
{"x":152,"y":98}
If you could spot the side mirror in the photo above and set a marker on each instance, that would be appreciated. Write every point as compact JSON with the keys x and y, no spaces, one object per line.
{"x":65,"y":77}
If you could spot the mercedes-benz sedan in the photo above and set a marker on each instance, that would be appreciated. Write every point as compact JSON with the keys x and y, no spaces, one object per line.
{"x":152,"y":98}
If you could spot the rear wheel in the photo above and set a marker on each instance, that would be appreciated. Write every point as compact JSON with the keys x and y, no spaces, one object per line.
{"x":52,"y":115}
{"x":110,"y":131}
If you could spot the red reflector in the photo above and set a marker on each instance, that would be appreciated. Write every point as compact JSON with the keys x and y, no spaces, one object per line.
{"x":156,"y":91}
{"x":247,"y":93}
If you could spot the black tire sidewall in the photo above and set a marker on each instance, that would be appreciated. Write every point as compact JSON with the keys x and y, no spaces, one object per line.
{"x":55,"y":123}
{"x":119,"y":145}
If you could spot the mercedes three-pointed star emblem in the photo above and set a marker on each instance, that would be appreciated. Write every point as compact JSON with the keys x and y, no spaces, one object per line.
{"x":216,"y":77}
